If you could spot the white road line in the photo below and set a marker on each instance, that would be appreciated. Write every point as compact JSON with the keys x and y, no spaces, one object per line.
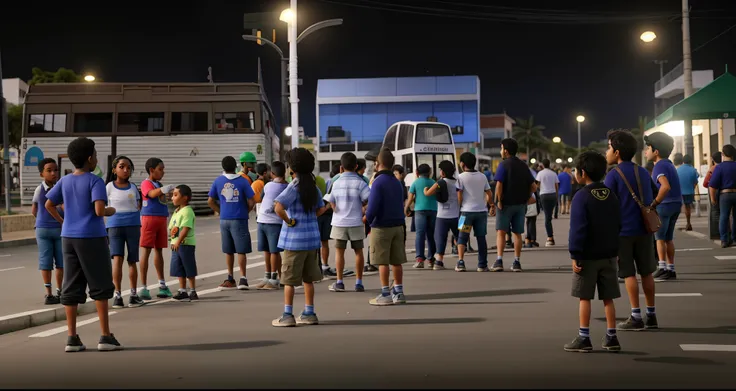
{"x":199,"y":234}
{"x":6,"y":317}
{"x":12,"y":268}
{"x":215,"y":232}
{"x":676,"y":295}
{"x":5,"y":255}
{"x":59,"y":330}
{"x":707,"y":348}
{"x":199,"y":293}
{"x":694,"y":249}
{"x":697,"y":234}
{"x":725,"y":257}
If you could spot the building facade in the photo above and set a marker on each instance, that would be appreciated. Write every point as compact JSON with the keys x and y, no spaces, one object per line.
{"x":15,"y":91}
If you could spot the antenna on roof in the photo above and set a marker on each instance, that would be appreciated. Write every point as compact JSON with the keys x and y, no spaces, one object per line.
{"x":209,"y":75}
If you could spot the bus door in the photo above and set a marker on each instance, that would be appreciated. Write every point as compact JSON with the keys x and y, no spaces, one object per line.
{"x":434,"y":160}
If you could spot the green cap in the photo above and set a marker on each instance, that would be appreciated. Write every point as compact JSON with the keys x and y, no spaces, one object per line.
{"x":248,"y":157}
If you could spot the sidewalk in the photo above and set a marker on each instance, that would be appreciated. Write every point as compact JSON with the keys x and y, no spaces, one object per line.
{"x":17,"y":239}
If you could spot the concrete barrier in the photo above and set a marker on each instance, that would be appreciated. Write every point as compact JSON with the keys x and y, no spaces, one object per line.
{"x":25,"y":320}
{"x":15,"y":223}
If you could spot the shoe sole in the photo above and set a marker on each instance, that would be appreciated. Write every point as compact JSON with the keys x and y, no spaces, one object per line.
{"x":459,"y":270}
{"x":228,"y":288}
{"x":283,"y":324}
{"x":308,"y":323}
{"x":135,"y":305}
{"x":583,"y":350}
{"x":104,"y":347}
{"x":164,"y":296}
{"x":376,"y":303}
{"x":243,"y":288}
{"x":333,"y":289}
{"x":74,"y":349}
{"x":614,"y":349}
{"x":641,"y":329}
{"x":651,"y":327}
{"x":117,"y":307}
{"x":438,"y":268}
{"x":482,"y":270}
{"x":516,"y":270}
{"x":497,"y":269}
{"x":269,"y":288}
{"x":184,"y":300}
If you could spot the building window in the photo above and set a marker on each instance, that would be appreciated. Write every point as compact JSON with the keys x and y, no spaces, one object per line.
{"x":406,"y":137}
{"x":140,"y":122}
{"x":235,"y":121}
{"x":42,"y":123}
{"x":189,"y":122}
{"x":324,"y":166}
{"x":93,"y":123}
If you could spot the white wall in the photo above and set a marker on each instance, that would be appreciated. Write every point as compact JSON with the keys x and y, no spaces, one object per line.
{"x":14,"y":91}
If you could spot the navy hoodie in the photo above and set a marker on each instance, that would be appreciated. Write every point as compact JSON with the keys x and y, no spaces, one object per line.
{"x":595,"y":223}
{"x":386,"y":202}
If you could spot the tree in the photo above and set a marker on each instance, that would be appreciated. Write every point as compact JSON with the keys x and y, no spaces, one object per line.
{"x":62,"y":75}
{"x":529,"y":135}
{"x":15,"y":124}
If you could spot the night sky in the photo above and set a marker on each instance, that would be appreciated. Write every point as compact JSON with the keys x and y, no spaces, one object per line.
{"x":553,"y":71}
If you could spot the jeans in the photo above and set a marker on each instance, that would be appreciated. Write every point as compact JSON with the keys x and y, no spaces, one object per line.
{"x":425,"y":220}
{"x":668,"y":214}
{"x":50,"y":252}
{"x":548,"y":205}
{"x":727,"y":206}
{"x":443,"y":226}
{"x":477,"y":222}
{"x":531,"y":228}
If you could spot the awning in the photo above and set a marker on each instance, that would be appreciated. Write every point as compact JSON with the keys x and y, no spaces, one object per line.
{"x":717,"y":100}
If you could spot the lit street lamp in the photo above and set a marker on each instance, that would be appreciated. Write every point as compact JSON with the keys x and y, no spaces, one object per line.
{"x":580,"y":120}
{"x":569,"y":160}
{"x":558,"y":161}
{"x":556,"y":140}
{"x":89,"y":78}
{"x":533,"y":161}
{"x":648,"y":36}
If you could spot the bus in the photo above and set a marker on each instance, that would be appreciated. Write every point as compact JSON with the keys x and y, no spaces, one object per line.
{"x":414,"y":143}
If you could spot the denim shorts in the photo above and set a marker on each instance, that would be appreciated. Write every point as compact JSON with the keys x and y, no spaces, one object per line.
{"x":183,"y":262}
{"x":268,"y":237}
{"x":477,"y":221}
{"x":49,"y":248}
{"x":511,"y":216}
{"x":668,"y":214}
{"x":235,"y":237}
{"x":122,"y":237}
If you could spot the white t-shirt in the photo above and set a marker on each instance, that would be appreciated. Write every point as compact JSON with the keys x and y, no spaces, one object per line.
{"x":473,"y":185}
{"x":547,"y":180}
{"x":449,"y":209}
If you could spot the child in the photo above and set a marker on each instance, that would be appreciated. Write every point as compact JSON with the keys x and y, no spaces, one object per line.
{"x":84,"y":240}
{"x":269,"y":227}
{"x":236,"y":200}
{"x":124,"y":228}
{"x":347,"y":198}
{"x":325,"y":228}
{"x":48,"y":232}
{"x":298,"y":206}
{"x":154,"y":214}
{"x":425,"y":212}
{"x":448,"y":209}
{"x":385,"y":217}
{"x":183,"y":244}
{"x":593,"y":243}
{"x":532,"y":211}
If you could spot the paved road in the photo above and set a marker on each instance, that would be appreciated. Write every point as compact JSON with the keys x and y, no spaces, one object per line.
{"x":459,"y":330}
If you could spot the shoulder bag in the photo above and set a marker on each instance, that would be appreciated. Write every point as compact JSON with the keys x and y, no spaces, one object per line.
{"x":648,"y":215}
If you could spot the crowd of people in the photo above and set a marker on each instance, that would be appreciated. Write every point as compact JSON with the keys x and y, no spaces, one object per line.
{"x":618,"y":214}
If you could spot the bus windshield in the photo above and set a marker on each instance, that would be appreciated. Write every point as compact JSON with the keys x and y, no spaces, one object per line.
{"x":433,"y":134}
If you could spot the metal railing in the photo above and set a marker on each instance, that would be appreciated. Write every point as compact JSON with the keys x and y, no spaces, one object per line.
{"x":669,"y":77}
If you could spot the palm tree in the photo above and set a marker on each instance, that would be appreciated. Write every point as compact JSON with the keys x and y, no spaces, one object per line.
{"x":639,"y":135}
{"x":528,"y":135}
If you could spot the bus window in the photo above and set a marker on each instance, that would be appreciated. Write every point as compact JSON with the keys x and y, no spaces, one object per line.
{"x":427,"y":159}
{"x":433,"y":134}
{"x":434,"y":160}
{"x":408,"y":163}
{"x":406,"y":137}
{"x":390,"y":140}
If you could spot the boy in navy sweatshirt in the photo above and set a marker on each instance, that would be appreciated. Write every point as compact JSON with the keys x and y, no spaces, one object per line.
{"x":594,"y":230}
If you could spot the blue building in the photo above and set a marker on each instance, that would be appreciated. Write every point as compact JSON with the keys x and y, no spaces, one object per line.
{"x":354,"y":114}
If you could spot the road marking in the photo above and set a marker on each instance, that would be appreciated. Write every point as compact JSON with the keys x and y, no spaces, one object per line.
{"x":676,"y":295}
{"x":725,"y":257}
{"x":12,"y":268}
{"x":215,"y":232}
{"x":695,"y":249}
{"x":697,"y":234}
{"x":199,"y":234}
{"x":5,"y":255}
{"x":707,"y":348}
{"x":27,"y":313}
{"x":59,"y":330}
{"x":199,"y":293}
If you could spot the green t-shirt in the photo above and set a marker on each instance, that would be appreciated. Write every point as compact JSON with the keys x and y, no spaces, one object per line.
{"x":321,"y":184}
{"x":423,"y":202}
{"x":184,"y":217}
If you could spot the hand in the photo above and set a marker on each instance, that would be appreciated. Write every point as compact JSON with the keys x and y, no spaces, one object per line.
{"x":500,"y":205}
{"x":365,"y":220}
{"x":407,"y":212}
{"x":109,"y":211}
{"x":175,"y":244}
{"x":492,"y":212}
{"x":291,"y":223}
{"x":575,"y":267}
{"x":167,"y":189}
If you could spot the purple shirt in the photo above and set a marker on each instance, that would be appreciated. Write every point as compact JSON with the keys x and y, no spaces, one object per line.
{"x":78,"y":193}
{"x":665,"y":168}
{"x":724,"y":176}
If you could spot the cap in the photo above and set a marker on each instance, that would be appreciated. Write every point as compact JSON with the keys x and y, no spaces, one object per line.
{"x":372,"y":156}
{"x":248,"y":157}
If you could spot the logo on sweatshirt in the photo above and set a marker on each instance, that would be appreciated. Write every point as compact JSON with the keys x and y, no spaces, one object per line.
{"x":601,"y":194}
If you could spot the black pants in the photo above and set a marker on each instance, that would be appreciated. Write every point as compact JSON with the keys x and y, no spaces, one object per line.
{"x":531,"y":229}
{"x":548,"y":205}
{"x":86,"y":263}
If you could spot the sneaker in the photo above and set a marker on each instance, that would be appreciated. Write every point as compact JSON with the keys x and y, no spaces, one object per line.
{"x":439,"y":265}
{"x":610,"y":343}
{"x":117,"y":302}
{"x":193,"y":295}
{"x":497,"y":266}
{"x":651,"y":323}
{"x":509,"y":244}
{"x":51,"y":300}
{"x":631,"y":324}
{"x":329,"y":274}
{"x":286,"y":320}
{"x":418,"y":264}
{"x":579,"y":344}
{"x":164,"y":292}
{"x":659,"y":273}
{"x":108,"y":344}
{"x":370,"y":270}
{"x":144,"y":294}
{"x":348,"y":273}
{"x":74,"y":344}
{"x":228,"y":284}
{"x":527,"y":245}
{"x":516,"y":266}
{"x":382,"y":300}
{"x":689,"y":228}
{"x":262,"y":284}
{"x":337,"y":287}
{"x":271,"y":286}
{"x":243,"y":284}
{"x":307,"y":320}
{"x":535,"y":243}
{"x":669,"y":275}
{"x":724,"y":244}
{"x":454,"y":249}
{"x":135,"y":301}
{"x":182,"y":296}
{"x":483,"y":269}
{"x":398,"y":297}
{"x":359,"y":288}
{"x":550,"y":243}
{"x":460,"y":266}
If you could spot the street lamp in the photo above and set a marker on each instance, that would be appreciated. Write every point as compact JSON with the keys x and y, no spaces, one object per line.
{"x":580,"y":120}
{"x":569,"y":160}
{"x":558,"y":161}
{"x":533,"y":161}
{"x":556,"y":140}
{"x":648,"y":36}
{"x":89,"y":78}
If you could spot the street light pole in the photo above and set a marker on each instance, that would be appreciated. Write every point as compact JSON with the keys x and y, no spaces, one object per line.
{"x":580,"y":120}
{"x":687,"y":66}
{"x":293,"y":77}
{"x":6,"y":142}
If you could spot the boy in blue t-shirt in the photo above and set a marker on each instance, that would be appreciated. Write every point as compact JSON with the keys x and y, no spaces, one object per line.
{"x":84,"y":242}
{"x":425,"y":211}
{"x":48,"y":232}
{"x":232,"y":197}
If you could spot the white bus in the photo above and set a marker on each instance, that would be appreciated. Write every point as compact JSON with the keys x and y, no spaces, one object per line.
{"x":415,"y":143}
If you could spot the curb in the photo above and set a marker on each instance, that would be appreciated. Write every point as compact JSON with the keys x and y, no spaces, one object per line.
{"x":41,"y":317}
{"x":17,"y":242}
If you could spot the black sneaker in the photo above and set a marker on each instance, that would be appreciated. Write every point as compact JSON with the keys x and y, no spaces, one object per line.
{"x":535,"y":243}
{"x":497,"y":266}
{"x":669,"y":275}
{"x":470,"y":249}
{"x":579,"y":344}
{"x":51,"y":300}
{"x":193,"y":295}
{"x":631,"y":324}
{"x":659,"y":273}
{"x":509,"y":244}
{"x":431,"y":262}
{"x":135,"y":301}
{"x":370,"y":269}
{"x":108,"y":344}
{"x":610,"y":343}
{"x":329,"y":274}
{"x":182,"y":296}
{"x":651,"y":323}
{"x":117,"y":302}
{"x":724,"y":244}
{"x":74,"y":344}
{"x":454,"y":249}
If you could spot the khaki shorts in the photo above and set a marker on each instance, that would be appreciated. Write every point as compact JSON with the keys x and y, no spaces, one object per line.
{"x":343,"y":235}
{"x":300,"y":266}
{"x":601,"y":274}
{"x":387,"y":246}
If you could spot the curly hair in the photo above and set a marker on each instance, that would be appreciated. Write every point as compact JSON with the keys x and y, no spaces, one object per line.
{"x":301,"y":163}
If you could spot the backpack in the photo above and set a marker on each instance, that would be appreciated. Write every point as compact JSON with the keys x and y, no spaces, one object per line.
{"x":442,"y":194}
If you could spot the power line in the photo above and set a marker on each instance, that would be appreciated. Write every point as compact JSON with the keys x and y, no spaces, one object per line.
{"x":714,"y":38}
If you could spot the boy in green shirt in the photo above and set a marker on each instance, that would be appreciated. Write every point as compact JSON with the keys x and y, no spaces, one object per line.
{"x":183,"y":242}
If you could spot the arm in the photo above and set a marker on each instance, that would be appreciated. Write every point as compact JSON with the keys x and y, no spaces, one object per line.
{"x":213,"y":205}
{"x":409,"y":202}
{"x":489,"y":202}
{"x":374,"y":200}
{"x":281,"y":212}
{"x":182,"y":234}
{"x":664,"y":188}
{"x":34,"y":209}
{"x":51,"y":208}
{"x":102,"y":211}
{"x":251,"y":203}
{"x":713,"y":192}
{"x":499,"y":194}
{"x":430,"y":191}
{"x":578,"y":227}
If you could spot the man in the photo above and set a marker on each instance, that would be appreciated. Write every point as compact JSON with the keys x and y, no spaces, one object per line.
{"x":474,"y":197}
{"x":688,"y":184}
{"x":514,"y":186}
{"x":549,"y":186}
{"x":722,"y":188}
{"x":248,"y":163}
{"x":565,"y":178}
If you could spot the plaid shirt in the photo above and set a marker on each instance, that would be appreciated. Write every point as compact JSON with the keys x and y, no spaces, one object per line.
{"x":348,"y":194}
{"x":305,"y":234}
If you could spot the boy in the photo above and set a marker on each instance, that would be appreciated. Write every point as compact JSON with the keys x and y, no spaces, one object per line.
{"x":248,"y":163}
{"x":298,"y":206}
{"x":549,"y":186}
{"x":269,"y":227}
{"x":593,"y":244}
{"x":48,"y":232}
{"x":565,"y":178}
{"x":84,"y":242}
{"x":386,"y":218}
{"x":325,"y":228}
{"x":688,"y":176}
{"x":474,"y":196}
{"x":154,"y":214}
{"x":264,"y":175}
{"x":183,"y":244}
{"x":235,"y":198}
{"x":425,"y":214}
{"x":347,"y":198}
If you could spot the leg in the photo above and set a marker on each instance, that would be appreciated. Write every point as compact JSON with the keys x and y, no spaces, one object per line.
{"x":117,"y":272}
{"x":71,"y":319}
{"x":610,"y":310}
{"x":421,"y":237}
{"x":158,"y":262}
{"x":339,"y":262}
{"x":182,"y":282}
{"x":549,"y":205}
{"x":687,"y":214}
{"x":59,"y":274}
{"x":431,"y":243}
{"x":59,"y":261}
{"x":325,"y":252}
{"x":308,"y":293}
{"x":242,"y":263}
{"x":45,"y":258}
{"x":93,"y":258}
{"x":192,"y":282}
{"x":584,"y":314}
{"x":500,"y":243}
{"x":267,"y":258}
{"x":383,"y":274}
{"x":46,"y":275}
{"x":398,"y":275}
{"x":132,"y":273}
{"x":145,"y":254}
{"x":276,"y":263}
{"x":230,"y":262}
{"x":289,"y":295}
{"x":133,"y":237}
{"x":359,"y":263}
{"x":647,"y":284}
{"x":440,"y":237}
{"x":517,"y":244}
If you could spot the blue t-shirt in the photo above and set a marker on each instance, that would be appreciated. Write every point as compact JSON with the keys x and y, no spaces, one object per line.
{"x":233,"y":191}
{"x":565,"y":183}
{"x":632,"y":223}
{"x":152,"y":206}
{"x":724,"y":176}
{"x":305,"y":234}
{"x":43,"y":218}
{"x":423,"y":202}
{"x":78,"y":193}
{"x":688,"y":179}
{"x":665,"y":168}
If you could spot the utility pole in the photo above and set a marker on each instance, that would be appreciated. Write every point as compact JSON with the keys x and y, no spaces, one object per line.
{"x":6,"y":142}
{"x":293,"y":78}
{"x":687,"y":65}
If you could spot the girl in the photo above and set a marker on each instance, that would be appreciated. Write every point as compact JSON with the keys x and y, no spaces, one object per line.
{"x":425,"y":211}
{"x":124,"y":228}
{"x":269,"y":228}
{"x":448,"y":209}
